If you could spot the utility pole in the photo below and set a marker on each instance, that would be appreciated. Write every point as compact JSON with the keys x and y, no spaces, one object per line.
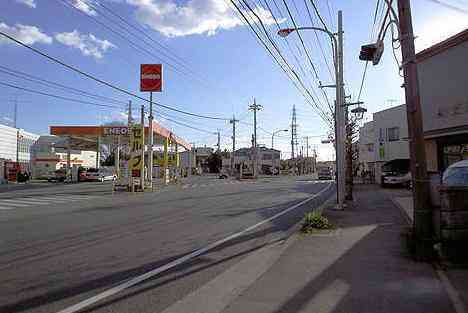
{"x":151,"y":141}
{"x":349,"y":158}
{"x":129,"y":116}
{"x":293,"y":133}
{"x":219,"y":141}
{"x":233,"y":122}
{"x":255,"y":107}
{"x":340,"y":120}
{"x":422,"y":224}
{"x":307,"y":154}
{"x":142,"y":170}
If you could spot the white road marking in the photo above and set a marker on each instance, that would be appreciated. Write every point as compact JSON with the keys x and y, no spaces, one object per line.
{"x":6,"y":208}
{"x":29,"y":201}
{"x":136,"y":280}
{"x":14,"y":203}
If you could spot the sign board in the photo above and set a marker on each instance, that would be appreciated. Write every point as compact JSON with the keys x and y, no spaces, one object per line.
{"x":151,"y":77}
{"x":136,"y":146}
{"x":115,"y":131}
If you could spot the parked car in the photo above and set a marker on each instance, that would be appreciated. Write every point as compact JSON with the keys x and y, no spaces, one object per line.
{"x":57,"y":176}
{"x":396,"y":173}
{"x":95,"y":174}
{"x":456,"y":174}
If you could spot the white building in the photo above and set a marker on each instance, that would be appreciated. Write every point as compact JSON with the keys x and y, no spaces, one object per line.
{"x":384,"y":139}
{"x":15,"y":145}
{"x":268,"y":160}
{"x":50,"y":154}
{"x":367,"y":147}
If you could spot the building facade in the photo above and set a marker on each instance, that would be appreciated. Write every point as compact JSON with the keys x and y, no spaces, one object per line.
{"x":443,"y":82}
{"x":268,"y":160}
{"x":383,"y":139}
{"x":49,"y":154}
{"x":16,"y":145}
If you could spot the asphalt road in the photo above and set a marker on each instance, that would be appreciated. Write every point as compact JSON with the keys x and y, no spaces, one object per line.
{"x":66,"y":243}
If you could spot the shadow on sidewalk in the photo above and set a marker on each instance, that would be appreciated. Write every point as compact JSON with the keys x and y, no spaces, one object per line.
{"x":375,"y":274}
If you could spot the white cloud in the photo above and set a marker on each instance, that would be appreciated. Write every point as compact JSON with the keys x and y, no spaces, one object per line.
{"x":193,"y":17}
{"x":84,"y":6}
{"x":29,"y":3}
{"x":24,"y":33}
{"x":439,"y":28}
{"x":88,"y":44}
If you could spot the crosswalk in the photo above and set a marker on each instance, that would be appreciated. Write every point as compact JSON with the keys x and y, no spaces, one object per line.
{"x":37,"y":201}
{"x":211,"y":184}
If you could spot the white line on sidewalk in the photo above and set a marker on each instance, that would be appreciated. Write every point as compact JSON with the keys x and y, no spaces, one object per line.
{"x":452,"y":292}
{"x":114,"y":290}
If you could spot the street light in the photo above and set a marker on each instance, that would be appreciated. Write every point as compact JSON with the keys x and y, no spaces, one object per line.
{"x":337,"y":43}
{"x":359,"y":111}
{"x":275,"y":132}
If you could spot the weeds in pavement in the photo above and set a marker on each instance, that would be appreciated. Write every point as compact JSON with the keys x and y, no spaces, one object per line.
{"x":315,"y":221}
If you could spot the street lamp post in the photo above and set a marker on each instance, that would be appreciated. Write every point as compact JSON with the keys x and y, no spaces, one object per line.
{"x":337,"y":43}
{"x":276,"y":132}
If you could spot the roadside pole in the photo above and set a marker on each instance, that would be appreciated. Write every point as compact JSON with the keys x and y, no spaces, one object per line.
{"x":98,"y":149}
{"x":151,"y":142}
{"x":117,"y":158}
{"x":142,"y":170}
{"x":165,"y":159}
{"x":340,"y":122}
{"x":233,"y":122}
{"x":255,"y":107}
{"x":422,"y":224}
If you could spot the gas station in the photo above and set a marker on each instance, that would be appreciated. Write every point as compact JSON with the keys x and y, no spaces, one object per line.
{"x":127,"y":148}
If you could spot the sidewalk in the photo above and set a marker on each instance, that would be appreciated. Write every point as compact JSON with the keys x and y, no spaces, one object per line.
{"x":359,"y":268}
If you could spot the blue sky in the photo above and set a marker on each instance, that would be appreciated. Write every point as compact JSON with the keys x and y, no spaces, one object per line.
{"x":229,"y":67}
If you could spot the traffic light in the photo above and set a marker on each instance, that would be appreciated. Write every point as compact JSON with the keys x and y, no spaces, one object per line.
{"x":372,"y":52}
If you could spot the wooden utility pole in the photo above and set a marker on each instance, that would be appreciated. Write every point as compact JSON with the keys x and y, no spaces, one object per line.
{"x":422,"y":224}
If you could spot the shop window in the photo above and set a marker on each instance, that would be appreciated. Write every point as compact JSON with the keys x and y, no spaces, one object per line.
{"x":393,"y":133}
{"x":370,"y":147}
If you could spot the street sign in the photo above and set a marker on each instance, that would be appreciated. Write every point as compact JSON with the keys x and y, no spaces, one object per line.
{"x":151,"y":77}
{"x":136,"y":145}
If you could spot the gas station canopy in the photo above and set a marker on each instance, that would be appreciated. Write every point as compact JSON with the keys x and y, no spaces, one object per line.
{"x":86,"y":137}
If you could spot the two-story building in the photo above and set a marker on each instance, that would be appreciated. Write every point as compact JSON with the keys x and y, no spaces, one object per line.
{"x":443,"y":85}
{"x":384,"y":139}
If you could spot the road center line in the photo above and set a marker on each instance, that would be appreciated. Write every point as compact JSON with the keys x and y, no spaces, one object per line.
{"x":136,"y":280}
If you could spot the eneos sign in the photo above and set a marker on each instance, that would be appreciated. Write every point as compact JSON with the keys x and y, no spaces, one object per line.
{"x":151,"y":77}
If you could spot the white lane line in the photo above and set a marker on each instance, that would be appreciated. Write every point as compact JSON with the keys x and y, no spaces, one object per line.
{"x":114,"y":290}
{"x":452,"y":292}
{"x":6,"y":208}
{"x":14,"y":203}
{"x":194,"y":185}
{"x":28,"y":201}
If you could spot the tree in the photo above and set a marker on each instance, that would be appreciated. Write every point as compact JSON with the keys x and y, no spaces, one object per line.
{"x":214,"y":162}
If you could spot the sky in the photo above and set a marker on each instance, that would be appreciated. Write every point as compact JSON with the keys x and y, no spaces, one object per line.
{"x":213,"y":64}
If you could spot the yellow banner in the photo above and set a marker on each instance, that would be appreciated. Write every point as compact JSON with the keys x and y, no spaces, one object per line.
{"x":136,"y":146}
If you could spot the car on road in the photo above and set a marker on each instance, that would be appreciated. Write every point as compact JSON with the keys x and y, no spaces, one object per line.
{"x":456,"y":174}
{"x":396,"y":173}
{"x":324,"y":174}
{"x":57,"y":176}
{"x":95,"y":174}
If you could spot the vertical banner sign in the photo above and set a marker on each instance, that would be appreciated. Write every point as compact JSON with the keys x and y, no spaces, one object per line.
{"x":151,"y":77}
{"x":136,"y":145}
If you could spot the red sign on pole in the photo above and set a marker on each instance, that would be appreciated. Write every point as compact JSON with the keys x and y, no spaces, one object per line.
{"x":151,"y":77}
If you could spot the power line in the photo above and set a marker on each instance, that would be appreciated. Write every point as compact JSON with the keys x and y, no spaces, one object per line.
{"x":72,"y":68}
{"x":49,"y":83}
{"x":287,"y":72}
{"x":58,"y":97}
{"x":450,"y":6}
